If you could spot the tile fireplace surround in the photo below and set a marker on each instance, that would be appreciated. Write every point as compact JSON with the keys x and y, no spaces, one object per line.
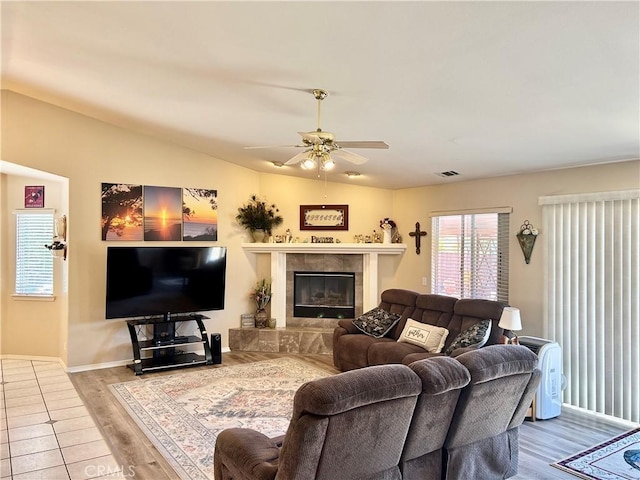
{"x":369,"y":252}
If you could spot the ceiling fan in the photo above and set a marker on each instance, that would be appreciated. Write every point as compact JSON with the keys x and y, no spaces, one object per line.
{"x":319,"y":146}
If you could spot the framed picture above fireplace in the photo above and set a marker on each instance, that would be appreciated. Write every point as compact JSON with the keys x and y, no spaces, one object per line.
{"x":324,"y":217}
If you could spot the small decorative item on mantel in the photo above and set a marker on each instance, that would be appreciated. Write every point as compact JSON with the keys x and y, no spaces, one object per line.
{"x":259,"y":218}
{"x":527,"y":239}
{"x":247,"y":320}
{"x":261,"y":295}
{"x":388,"y":227}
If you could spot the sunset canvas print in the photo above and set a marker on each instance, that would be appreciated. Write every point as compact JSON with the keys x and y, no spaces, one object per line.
{"x":162,"y":213}
{"x":200,"y":214}
{"x":121,"y":211}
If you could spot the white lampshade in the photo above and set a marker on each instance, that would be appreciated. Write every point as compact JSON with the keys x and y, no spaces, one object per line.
{"x":510,"y":319}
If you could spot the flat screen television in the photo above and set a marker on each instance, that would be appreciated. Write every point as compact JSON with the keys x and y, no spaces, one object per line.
{"x":161,"y":281}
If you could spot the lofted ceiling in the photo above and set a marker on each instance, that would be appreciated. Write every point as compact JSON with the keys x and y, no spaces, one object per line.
{"x":480,"y":88}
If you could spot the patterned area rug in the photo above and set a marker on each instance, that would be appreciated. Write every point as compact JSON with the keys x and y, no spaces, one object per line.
{"x":615,"y":459}
{"x":182,"y":414}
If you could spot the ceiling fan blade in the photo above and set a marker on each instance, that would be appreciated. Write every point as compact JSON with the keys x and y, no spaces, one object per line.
{"x":349,"y":156}
{"x":273,"y":146}
{"x":364,"y":144}
{"x":297,"y":158}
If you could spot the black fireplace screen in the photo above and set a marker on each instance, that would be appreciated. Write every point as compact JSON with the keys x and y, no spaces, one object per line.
{"x":324,"y":294}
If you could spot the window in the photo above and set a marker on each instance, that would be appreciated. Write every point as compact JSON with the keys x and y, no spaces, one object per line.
{"x":470,"y":256}
{"x":34,"y":263}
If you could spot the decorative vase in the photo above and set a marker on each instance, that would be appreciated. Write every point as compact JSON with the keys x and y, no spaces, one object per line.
{"x":526,"y":244}
{"x":261,"y":318}
{"x":386,"y":235}
{"x":259,"y":236}
{"x":271,"y":323}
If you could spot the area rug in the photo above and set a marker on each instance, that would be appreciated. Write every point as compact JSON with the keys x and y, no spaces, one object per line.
{"x":183,"y":413}
{"x":615,"y":459}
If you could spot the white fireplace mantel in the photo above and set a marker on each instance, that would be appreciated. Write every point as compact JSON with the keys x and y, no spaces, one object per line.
{"x":279,"y":251}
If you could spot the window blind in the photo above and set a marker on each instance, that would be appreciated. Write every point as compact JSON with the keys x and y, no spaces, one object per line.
{"x":34,"y":263}
{"x":470,"y":256}
{"x":592,"y":299}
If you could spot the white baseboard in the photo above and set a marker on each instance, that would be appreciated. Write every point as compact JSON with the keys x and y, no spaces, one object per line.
{"x":98,"y":366}
{"x":34,"y":358}
{"x":119,"y":363}
{"x":80,"y":368}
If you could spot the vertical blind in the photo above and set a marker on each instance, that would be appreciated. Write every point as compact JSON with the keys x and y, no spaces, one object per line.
{"x":34,"y":263}
{"x":470,"y":256}
{"x":592,"y":251}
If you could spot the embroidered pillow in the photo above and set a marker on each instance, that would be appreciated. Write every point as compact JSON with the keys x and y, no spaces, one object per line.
{"x":474,"y":336}
{"x":376,"y":322}
{"x":429,"y":337}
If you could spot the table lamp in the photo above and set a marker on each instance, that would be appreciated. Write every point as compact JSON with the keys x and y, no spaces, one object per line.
{"x":510,"y":322}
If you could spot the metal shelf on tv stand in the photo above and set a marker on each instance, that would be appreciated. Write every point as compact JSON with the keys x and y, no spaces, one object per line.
{"x":165,"y":352}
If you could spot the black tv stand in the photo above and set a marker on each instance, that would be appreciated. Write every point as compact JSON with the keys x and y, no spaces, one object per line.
{"x":164,"y":353}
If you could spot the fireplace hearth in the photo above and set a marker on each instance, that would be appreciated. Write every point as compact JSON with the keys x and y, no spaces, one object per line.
{"x":324,"y":294}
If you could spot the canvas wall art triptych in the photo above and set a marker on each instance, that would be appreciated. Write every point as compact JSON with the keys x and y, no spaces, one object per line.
{"x":149,"y":213}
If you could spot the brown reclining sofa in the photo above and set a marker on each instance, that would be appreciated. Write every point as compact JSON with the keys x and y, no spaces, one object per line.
{"x":354,"y":349}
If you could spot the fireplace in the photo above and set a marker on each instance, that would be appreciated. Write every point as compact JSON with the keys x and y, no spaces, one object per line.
{"x":324,"y":294}
{"x":287,"y":258}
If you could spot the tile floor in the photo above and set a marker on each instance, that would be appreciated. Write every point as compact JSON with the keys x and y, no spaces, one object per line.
{"x":45,"y":430}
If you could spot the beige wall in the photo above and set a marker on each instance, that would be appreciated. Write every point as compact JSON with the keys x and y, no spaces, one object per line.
{"x":41,"y":322}
{"x":520,"y":192}
{"x":89,"y":152}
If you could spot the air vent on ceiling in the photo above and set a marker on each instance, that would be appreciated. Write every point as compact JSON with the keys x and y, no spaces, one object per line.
{"x":450,"y":173}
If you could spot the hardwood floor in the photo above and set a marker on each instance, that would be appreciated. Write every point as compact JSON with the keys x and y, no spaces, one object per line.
{"x":541,"y":442}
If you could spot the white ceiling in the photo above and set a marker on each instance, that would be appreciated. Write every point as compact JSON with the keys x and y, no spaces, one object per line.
{"x":482,"y":88}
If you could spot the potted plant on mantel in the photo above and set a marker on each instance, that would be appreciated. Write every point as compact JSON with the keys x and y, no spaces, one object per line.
{"x":259,"y":218}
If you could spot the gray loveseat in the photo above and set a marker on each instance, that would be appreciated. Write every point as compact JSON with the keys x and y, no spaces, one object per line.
{"x":353,"y":349}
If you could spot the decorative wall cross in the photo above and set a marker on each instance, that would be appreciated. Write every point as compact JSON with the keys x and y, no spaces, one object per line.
{"x":417,"y":234}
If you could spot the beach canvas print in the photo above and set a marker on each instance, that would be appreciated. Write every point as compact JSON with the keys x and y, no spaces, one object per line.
{"x":121,"y":211}
{"x":162,"y":213}
{"x":200,"y":214}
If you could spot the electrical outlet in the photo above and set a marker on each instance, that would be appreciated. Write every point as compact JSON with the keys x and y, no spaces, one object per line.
{"x":424,"y":281}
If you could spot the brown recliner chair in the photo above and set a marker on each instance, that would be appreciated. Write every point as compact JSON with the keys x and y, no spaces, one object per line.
{"x":442,"y":380}
{"x":348,"y":426}
{"x":483,"y":436}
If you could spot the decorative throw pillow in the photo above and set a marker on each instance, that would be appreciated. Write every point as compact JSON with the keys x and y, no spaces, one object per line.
{"x":429,"y":337}
{"x":376,"y":322}
{"x":474,"y":336}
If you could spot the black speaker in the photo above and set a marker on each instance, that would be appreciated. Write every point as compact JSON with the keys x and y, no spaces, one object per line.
{"x":216,"y":348}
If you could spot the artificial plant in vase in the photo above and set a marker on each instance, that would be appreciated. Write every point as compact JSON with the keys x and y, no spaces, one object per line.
{"x":258,"y":216}
{"x":261,"y":295}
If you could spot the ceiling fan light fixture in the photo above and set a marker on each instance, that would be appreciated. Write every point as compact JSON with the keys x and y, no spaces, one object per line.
{"x":319,"y":146}
{"x":308,"y":163}
{"x":327,"y":162}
